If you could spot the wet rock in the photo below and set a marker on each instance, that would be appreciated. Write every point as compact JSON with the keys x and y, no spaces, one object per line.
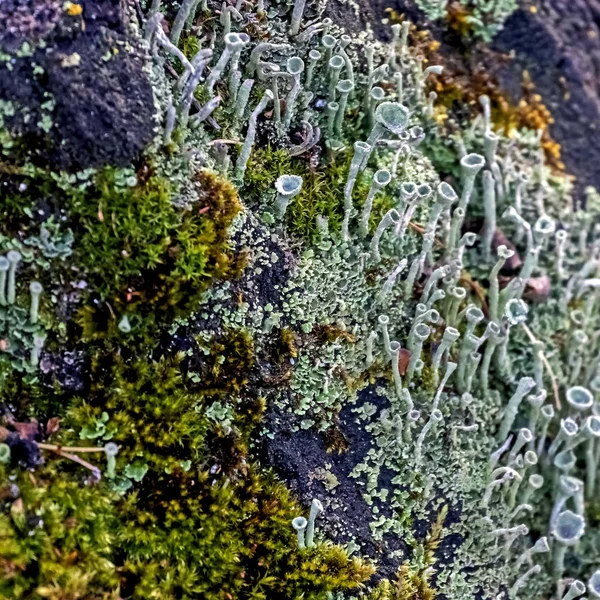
{"x":65,"y":369}
{"x":299,"y":457}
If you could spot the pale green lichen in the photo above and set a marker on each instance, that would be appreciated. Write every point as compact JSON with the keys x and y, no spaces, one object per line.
{"x":441,"y":386}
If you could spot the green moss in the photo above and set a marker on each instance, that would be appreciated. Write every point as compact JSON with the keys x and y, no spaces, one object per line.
{"x":409,"y":585}
{"x":126,"y":230}
{"x":145,"y":402}
{"x":57,"y":538}
{"x":189,"y":45}
{"x":190,"y":526}
{"x":230,"y":362}
{"x":145,"y":257}
{"x":287,"y":345}
{"x":322,"y":190}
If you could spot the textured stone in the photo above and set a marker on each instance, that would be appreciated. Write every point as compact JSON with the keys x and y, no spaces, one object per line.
{"x":103,"y":105}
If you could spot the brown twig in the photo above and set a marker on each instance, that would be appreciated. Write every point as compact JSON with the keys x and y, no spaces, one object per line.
{"x":214,"y":142}
{"x":95,"y":470}
{"x":58,"y":448}
{"x":420,"y":229}
{"x":475,"y":287}
{"x":547,"y":365}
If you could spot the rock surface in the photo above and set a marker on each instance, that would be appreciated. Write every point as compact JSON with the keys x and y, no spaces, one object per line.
{"x":80,"y":92}
{"x":559,"y":45}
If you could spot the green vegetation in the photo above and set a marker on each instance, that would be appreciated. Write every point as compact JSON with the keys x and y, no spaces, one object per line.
{"x":140,"y":252}
{"x":192,"y":332}
{"x":321,"y":194}
{"x":172,"y":523}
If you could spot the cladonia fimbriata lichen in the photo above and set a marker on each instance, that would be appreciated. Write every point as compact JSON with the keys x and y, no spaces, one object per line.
{"x":359,"y":283}
{"x":387,"y":303}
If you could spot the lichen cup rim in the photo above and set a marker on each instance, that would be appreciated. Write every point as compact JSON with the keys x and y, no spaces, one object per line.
{"x":288,"y":184}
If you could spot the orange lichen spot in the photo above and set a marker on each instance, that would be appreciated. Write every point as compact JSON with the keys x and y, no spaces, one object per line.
{"x":73,"y":9}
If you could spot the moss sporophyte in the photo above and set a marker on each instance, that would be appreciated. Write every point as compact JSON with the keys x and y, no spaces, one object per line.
{"x":280,"y":354}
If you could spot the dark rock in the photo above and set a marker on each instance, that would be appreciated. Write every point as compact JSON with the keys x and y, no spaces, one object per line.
{"x":82,"y":98}
{"x":296,"y":455}
{"x":65,"y":370}
{"x":559,"y":46}
{"x":23,"y":452}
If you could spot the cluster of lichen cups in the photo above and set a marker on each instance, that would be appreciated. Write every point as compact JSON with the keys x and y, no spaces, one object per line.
{"x":9,"y":265}
{"x":378,"y":120}
{"x":442,"y":298}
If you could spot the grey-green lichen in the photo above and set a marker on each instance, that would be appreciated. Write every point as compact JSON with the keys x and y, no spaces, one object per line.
{"x":479,"y":18}
{"x":391,"y":308}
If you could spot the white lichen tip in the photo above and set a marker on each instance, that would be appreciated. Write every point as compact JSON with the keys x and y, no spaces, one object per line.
{"x":294,"y":65}
{"x":382,"y":177}
{"x":504,"y":252}
{"x":344,"y":86}
{"x":591,"y":427}
{"x":316,"y":508}
{"x":35,"y":287}
{"x":576,"y":589}
{"x":471,"y":164}
{"x":569,"y":528}
{"x":13,"y":257}
{"x":445,"y":194}
{"x":544,"y":226}
{"x":299,"y":524}
{"x":579,"y":398}
{"x":111,"y":449}
{"x":328,"y":41}
{"x":594,"y":584}
{"x":516,"y":311}
{"x":536,"y":481}
{"x":288,"y":185}
{"x":393,"y":116}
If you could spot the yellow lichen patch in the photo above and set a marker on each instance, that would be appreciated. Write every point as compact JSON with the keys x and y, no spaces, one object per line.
{"x":73,"y":9}
{"x":534,"y":114}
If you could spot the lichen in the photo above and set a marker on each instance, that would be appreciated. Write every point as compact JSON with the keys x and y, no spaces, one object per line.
{"x":209,"y":346}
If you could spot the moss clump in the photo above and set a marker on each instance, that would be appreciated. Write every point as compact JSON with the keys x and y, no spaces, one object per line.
{"x":230,"y":362}
{"x":145,"y":257}
{"x":181,"y":517}
{"x":57,"y":538}
{"x":409,"y":585}
{"x":145,"y":402}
